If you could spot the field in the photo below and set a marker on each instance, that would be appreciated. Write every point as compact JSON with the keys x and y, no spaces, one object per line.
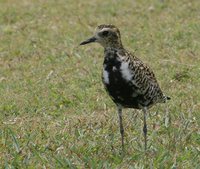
{"x":54,"y":111}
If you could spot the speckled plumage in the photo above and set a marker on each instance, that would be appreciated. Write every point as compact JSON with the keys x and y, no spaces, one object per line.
{"x":139,"y":90}
{"x":129,"y":82}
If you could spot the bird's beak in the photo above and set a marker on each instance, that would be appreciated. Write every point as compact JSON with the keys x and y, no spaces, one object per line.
{"x":90,"y":40}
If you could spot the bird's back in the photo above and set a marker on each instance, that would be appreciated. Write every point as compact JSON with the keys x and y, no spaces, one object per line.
{"x":130,"y":82}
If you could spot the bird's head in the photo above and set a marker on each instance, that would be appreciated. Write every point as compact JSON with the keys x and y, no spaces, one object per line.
{"x":106,"y":35}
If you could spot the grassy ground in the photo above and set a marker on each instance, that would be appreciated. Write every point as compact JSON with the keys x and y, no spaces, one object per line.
{"x":54,"y":112}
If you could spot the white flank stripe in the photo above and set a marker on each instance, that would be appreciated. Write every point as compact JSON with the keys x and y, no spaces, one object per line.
{"x":126,"y":74}
{"x":105,"y":77}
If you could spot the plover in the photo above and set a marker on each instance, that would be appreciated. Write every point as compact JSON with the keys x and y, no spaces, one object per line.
{"x":129,"y":82}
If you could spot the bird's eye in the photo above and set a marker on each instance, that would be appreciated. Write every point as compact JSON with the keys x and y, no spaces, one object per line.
{"x":105,"y":33}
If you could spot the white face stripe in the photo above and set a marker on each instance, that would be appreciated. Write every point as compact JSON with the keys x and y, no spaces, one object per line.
{"x":105,"y":76}
{"x":125,"y":70}
{"x":105,"y":29}
{"x":99,"y":38}
{"x":97,"y":31}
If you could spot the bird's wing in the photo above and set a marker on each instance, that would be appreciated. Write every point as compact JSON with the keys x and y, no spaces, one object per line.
{"x":142,"y":76}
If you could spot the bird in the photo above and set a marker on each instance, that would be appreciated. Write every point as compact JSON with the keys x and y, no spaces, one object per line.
{"x":127,"y":79}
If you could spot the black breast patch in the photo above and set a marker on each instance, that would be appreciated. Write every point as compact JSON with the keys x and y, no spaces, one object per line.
{"x":122,"y":92}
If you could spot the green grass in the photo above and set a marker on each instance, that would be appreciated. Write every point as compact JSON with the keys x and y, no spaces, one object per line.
{"x":54,"y":112}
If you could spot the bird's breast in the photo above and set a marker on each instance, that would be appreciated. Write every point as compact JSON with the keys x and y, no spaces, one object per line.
{"x":117,"y":79}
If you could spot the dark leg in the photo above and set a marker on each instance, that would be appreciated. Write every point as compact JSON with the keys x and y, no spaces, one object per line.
{"x":145,"y":128}
{"x":121,"y":126}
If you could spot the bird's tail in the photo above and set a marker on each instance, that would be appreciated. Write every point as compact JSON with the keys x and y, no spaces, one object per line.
{"x":166,"y":98}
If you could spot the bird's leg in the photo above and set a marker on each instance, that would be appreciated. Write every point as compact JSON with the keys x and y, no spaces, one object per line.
{"x":145,"y":128}
{"x":121,"y":126}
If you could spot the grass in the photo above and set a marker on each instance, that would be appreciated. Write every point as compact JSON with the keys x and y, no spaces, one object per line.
{"x":54,"y":112}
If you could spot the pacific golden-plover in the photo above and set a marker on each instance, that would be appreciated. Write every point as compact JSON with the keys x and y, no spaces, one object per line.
{"x":129,"y":82}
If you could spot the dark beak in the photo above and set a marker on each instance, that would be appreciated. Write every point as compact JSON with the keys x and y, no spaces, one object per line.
{"x":90,"y":40}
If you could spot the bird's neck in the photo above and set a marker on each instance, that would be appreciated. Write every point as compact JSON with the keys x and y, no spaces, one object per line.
{"x":113,"y":45}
